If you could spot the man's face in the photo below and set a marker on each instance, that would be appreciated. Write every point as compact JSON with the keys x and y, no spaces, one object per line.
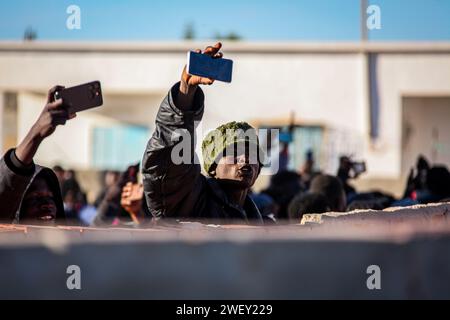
{"x":237,"y":167}
{"x":39,"y":202}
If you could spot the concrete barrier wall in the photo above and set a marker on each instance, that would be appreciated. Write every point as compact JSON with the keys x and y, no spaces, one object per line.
{"x":195,"y":261}
{"x":437,"y":212}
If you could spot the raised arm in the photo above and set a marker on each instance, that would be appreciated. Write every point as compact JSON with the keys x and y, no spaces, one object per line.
{"x":17,"y":166}
{"x":172,"y":187}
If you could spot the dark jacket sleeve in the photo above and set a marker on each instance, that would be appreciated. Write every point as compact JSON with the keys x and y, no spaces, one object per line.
{"x":14,"y":179}
{"x":173,"y":188}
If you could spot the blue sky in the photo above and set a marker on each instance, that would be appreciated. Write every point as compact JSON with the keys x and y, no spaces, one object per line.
{"x":269,"y":20}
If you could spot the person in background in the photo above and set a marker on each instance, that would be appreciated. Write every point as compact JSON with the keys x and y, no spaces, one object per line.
{"x":374,"y":200}
{"x":267,"y":206}
{"x":87,"y":212}
{"x":110,"y":178}
{"x":282,"y":189}
{"x":417,"y":180}
{"x":110,"y":212}
{"x":331,"y":187}
{"x":283,"y":156}
{"x":28,"y":192}
{"x":60,"y":172}
{"x":427,"y":186}
{"x":305,"y":203}
{"x":345,"y":173}
{"x":73,"y":197}
{"x":307,"y":171}
{"x":437,"y":185}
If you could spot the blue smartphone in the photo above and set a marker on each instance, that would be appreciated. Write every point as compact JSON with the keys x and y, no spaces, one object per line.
{"x":205,"y":66}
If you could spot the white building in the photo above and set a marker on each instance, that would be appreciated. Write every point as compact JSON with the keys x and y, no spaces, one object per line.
{"x":382,"y":102}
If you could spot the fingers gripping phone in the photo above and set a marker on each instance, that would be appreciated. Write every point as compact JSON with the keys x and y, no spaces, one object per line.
{"x":81,"y":97}
{"x":205,"y":66}
{"x":359,"y":167}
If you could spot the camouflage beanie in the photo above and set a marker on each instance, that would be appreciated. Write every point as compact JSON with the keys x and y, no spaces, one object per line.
{"x":226,"y":135}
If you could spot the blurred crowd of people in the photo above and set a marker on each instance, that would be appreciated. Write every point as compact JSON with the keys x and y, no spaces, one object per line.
{"x":120,"y":200}
{"x":292,"y":194}
{"x":289,"y":195}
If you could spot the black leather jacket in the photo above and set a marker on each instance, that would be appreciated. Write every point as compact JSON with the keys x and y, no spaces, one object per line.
{"x":180,"y":190}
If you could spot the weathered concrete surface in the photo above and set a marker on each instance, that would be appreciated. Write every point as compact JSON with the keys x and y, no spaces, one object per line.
{"x":193,"y":261}
{"x":436,"y":212}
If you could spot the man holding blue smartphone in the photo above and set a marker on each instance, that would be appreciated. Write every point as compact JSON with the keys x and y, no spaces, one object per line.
{"x":232,"y":160}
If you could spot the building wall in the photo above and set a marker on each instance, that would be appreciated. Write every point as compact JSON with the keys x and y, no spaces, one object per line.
{"x":400,"y":76}
{"x":426,"y":130}
{"x":264,"y":86}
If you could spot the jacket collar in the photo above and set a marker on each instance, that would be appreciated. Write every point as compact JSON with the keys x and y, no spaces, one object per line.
{"x":250,"y":210}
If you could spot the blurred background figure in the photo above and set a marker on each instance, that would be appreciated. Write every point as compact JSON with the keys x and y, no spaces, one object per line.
{"x":122,"y":203}
{"x":437,"y":186}
{"x":60,"y":173}
{"x":73,"y":197}
{"x":307,"y":203}
{"x":417,"y":179}
{"x":349,"y":170}
{"x":330,"y":187}
{"x":307,"y":171}
{"x":282,"y":188}
{"x":110,"y":178}
{"x":267,"y":206}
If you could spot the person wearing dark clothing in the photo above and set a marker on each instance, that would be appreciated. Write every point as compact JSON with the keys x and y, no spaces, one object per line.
{"x":437,"y":185}
{"x":59,"y":171}
{"x":345,"y":167}
{"x":374,"y":200}
{"x":283,"y":187}
{"x":266,"y":206}
{"x":109,"y":210}
{"x":177,"y":189}
{"x":110,"y":178}
{"x":331,"y":187}
{"x":29,"y":192}
{"x":305,"y":203}
{"x":417,"y":183}
{"x":73,"y":197}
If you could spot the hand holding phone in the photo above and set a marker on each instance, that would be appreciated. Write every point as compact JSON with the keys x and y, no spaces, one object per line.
{"x":53,"y":115}
{"x":81,"y":97}
{"x":359,"y":167}
{"x":191,"y":80}
{"x":210,"y":67}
